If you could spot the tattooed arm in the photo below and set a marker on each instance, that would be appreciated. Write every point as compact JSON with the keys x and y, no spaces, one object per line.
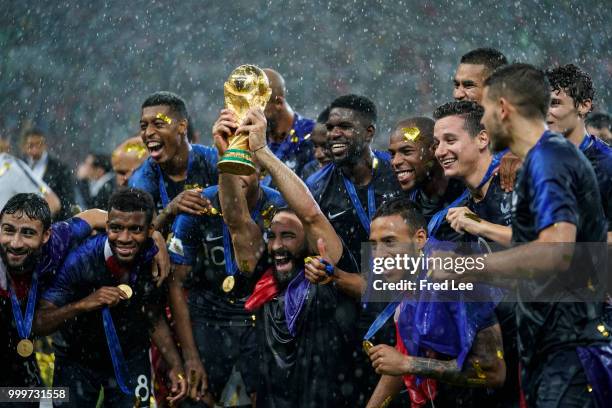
{"x":483,"y":367}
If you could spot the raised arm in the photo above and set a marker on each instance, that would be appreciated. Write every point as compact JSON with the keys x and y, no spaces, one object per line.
{"x":247,"y":238}
{"x":293,"y":189}
{"x":95,"y":218}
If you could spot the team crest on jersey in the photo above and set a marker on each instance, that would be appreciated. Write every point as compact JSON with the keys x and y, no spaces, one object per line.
{"x":176,"y":246}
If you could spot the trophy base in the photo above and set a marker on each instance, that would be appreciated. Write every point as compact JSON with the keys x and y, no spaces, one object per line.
{"x":237,"y":162}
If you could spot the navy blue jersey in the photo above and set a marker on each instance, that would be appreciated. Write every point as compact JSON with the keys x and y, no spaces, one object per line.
{"x":198,"y":241}
{"x":600,"y":156}
{"x":202,"y":172}
{"x":328,"y":189}
{"x":556,"y":184}
{"x":64,"y":236}
{"x":310,"y":168}
{"x":430,"y":206}
{"x":85,"y":271}
{"x":297,"y":149}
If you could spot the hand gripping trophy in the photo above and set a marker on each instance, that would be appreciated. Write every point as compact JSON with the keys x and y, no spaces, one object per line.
{"x":246,"y":87}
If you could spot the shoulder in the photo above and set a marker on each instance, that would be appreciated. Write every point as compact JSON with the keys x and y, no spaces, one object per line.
{"x":303,"y":126}
{"x":91,"y":250}
{"x":145,"y":176}
{"x":317,"y":181}
{"x":554,"y":155}
{"x":208,"y":153}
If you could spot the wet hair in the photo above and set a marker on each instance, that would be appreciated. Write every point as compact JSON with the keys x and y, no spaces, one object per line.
{"x":489,"y":57}
{"x":408,"y":210}
{"x":599,"y":120}
{"x":323,"y":116}
{"x":471,"y":112}
{"x":524,"y":85}
{"x":424,"y":124}
{"x":132,"y":200}
{"x":360,"y":104}
{"x":33,"y":132}
{"x":31,"y":205}
{"x":172,"y":100}
{"x":575,"y":82}
{"x":101,"y":160}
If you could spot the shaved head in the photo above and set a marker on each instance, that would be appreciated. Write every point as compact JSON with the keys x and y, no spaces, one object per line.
{"x":127,"y":157}
{"x":277,"y":83}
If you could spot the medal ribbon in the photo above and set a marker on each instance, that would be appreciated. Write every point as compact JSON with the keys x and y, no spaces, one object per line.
{"x":114,"y":347}
{"x":230,"y":264}
{"x":381,"y":319}
{"x":438,"y":218}
{"x":162,"y":185}
{"x":363,"y":217}
{"x":24,"y":324}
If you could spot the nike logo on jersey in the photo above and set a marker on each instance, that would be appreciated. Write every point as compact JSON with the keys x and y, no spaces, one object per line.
{"x":331,"y":216}
{"x":209,"y":237}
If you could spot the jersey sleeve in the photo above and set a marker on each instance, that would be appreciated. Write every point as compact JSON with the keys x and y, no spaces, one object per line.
{"x":552,"y":189}
{"x":62,"y":289}
{"x":144,"y":178}
{"x":186,"y":238}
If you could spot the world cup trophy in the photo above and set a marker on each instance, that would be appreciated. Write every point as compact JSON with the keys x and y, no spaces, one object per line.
{"x":246,"y":87}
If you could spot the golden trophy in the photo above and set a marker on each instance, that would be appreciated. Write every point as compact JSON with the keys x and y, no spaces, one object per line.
{"x":246,"y":87}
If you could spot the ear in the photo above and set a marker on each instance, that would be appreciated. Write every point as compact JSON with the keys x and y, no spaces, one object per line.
{"x":584,"y":108}
{"x":483,"y":139}
{"x":182,"y":127}
{"x":279,"y":101}
{"x":151,"y":229}
{"x":370,"y":131}
{"x":420,"y":237}
{"x":505,"y":108}
{"x":46,"y":236}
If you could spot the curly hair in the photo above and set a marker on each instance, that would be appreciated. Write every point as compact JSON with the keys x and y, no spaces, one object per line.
{"x":575,"y":82}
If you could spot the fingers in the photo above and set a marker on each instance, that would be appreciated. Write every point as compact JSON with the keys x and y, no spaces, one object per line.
{"x":194,"y":380}
{"x":192,"y":202}
{"x":203,"y":386}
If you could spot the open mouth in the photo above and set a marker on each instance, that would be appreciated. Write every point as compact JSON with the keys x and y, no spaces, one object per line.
{"x":338,"y":149}
{"x":282,"y":262}
{"x":15,"y":256}
{"x":448,"y":162}
{"x":155,"y":149}
{"x":125,"y":251}
{"x":404,"y":175}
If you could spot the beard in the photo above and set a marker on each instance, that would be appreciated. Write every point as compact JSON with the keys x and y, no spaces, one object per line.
{"x":354,"y":151}
{"x":29,"y":263}
{"x":297,"y":263}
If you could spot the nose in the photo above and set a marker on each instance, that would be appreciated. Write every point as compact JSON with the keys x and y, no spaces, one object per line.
{"x":124,"y":236}
{"x":459,"y":93}
{"x":16,"y":242}
{"x":396,"y":159}
{"x":440,"y":150}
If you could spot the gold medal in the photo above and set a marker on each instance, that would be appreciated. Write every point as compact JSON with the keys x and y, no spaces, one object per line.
{"x":25,"y":347}
{"x":367,"y":345}
{"x":228,"y":284}
{"x":126,"y":289}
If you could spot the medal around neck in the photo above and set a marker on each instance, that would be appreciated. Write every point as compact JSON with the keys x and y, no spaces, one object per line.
{"x":126,"y":289}
{"x":228,"y":283}
{"x":247,"y":87}
{"x":25,"y":348}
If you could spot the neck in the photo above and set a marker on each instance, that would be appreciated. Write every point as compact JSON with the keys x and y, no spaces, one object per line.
{"x":477,"y":173}
{"x":576,"y":136}
{"x":525,"y":135}
{"x":284,"y":125}
{"x":360,"y":172}
{"x":176,"y":167}
{"x":437,"y":183}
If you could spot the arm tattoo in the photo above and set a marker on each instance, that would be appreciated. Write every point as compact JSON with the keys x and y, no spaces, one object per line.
{"x":481,"y":364}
